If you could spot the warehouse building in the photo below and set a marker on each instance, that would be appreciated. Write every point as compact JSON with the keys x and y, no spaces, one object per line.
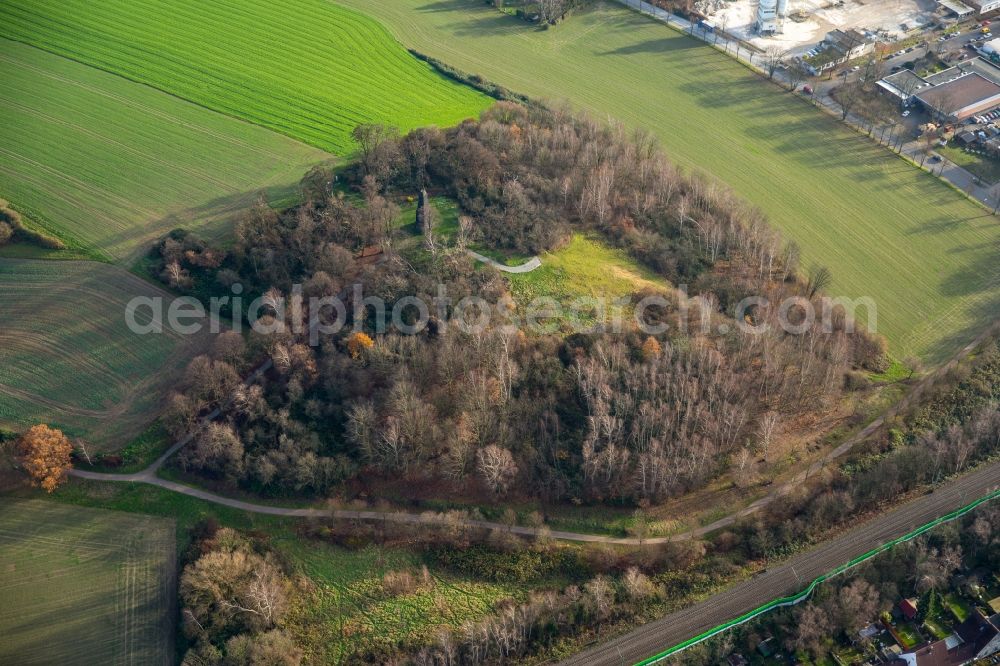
{"x":957,"y":9}
{"x":964,"y":91}
{"x":984,"y":6}
{"x":904,"y":84}
{"x":963,"y":97}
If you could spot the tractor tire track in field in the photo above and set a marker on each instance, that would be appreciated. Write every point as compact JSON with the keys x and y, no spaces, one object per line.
{"x":42,"y":185}
{"x":85,"y":585}
{"x":204,"y":175}
{"x":47,"y":346}
{"x":356,"y":73}
{"x":95,"y":379}
{"x":86,"y":187}
{"x":162,"y":115}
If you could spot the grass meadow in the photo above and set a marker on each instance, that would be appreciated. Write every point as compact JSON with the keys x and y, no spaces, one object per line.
{"x":346,"y":609}
{"x":350,"y":611}
{"x":585,"y":268}
{"x":67,"y":358}
{"x":306,"y":68}
{"x":85,"y":586}
{"x":921,"y":250}
{"x":106,"y":164}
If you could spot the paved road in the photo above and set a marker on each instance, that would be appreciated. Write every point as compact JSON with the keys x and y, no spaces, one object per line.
{"x":987,"y":193}
{"x":791,"y":576}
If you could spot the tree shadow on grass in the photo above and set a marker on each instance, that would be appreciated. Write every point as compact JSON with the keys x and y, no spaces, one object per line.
{"x":665,"y":45}
{"x":944,"y":225}
{"x":450,"y":6}
{"x":474,"y":19}
{"x":980,"y":274}
{"x":967,"y":282}
{"x":212,"y":220}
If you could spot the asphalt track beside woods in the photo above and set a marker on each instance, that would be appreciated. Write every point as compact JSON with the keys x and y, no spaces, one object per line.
{"x":792,"y":575}
{"x":677,"y":627}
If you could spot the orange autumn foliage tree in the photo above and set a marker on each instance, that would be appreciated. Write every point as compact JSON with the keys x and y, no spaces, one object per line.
{"x":651,"y":349}
{"x":45,"y":454}
{"x":358,"y":342}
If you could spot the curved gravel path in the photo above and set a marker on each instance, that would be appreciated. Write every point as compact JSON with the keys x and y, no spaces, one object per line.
{"x":526,"y":267}
{"x":149,"y":476}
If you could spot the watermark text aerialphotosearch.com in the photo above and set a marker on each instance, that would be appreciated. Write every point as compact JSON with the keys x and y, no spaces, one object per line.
{"x":274,"y":313}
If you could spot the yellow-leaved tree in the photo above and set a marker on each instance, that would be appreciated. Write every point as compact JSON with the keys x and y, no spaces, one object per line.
{"x":45,"y":453}
{"x":651,"y":349}
{"x":358,"y":342}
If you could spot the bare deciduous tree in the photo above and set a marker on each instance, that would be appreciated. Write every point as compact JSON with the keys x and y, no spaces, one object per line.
{"x":377,"y":145}
{"x":496,"y":468}
{"x":766,"y":430}
{"x":773,"y":59}
{"x":848,"y":96}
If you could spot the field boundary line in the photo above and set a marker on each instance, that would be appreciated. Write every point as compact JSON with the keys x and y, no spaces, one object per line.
{"x":139,"y":106}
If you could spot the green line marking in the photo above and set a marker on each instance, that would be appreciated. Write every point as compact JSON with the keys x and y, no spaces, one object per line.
{"x":804,"y":594}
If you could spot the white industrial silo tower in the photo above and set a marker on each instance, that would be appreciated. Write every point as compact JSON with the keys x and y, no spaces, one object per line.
{"x":767,"y":16}
{"x":771,"y":16}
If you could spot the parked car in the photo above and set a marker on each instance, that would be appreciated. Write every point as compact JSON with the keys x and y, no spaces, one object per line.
{"x":906,"y":114}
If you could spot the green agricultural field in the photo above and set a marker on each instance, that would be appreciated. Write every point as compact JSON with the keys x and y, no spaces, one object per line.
{"x":107,"y":164}
{"x":925,"y":254}
{"x":307,"y":68}
{"x":67,"y":357}
{"x":85,"y":586}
